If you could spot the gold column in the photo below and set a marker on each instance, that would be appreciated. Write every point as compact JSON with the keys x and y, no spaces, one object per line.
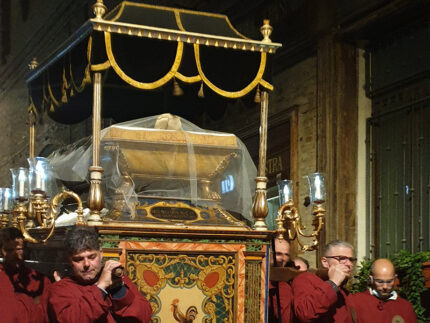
{"x":95,"y":200}
{"x":260,"y":208}
{"x":32,"y":121}
{"x":32,"y":118}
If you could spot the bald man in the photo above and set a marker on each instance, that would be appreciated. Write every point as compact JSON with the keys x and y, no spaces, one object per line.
{"x":280,"y":294}
{"x":381,"y":303}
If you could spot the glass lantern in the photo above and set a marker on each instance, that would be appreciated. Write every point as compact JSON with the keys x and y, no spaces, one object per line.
{"x":286,"y":190}
{"x":20,"y":187}
{"x":41,"y":176}
{"x":316,"y":188}
{"x":6,"y":199}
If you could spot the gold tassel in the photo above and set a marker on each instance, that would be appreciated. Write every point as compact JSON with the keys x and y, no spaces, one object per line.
{"x":177,"y":91}
{"x":64,"y":88}
{"x":51,"y":107}
{"x":257,"y":97}
{"x":201,"y":94}
{"x":63,"y":96}
{"x":87,"y":76}
{"x":72,"y":93}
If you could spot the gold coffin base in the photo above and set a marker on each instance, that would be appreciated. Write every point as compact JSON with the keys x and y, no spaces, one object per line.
{"x":175,"y":214}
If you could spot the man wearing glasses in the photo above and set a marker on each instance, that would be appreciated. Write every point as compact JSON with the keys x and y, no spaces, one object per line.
{"x":381,"y":303}
{"x":316,"y":300}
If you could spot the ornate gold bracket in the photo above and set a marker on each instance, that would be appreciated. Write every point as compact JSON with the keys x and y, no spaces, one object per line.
{"x":37,"y":208}
{"x":289,"y":222}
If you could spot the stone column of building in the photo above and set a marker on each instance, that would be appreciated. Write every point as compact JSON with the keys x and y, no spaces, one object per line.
{"x":337,"y":113}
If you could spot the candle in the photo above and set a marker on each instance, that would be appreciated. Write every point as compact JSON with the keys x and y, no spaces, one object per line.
{"x":38,"y":181}
{"x":21,"y":182}
{"x":318,"y":195}
{"x":6,"y":199}
{"x":41,"y":177}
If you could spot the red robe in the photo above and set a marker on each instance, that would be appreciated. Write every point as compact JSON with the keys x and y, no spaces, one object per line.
{"x":17,"y":308}
{"x":316,"y":300}
{"x":30,"y":282}
{"x":368,"y":308}
{"x":70,"y":302}
{"x":285,"y":298}
{"x":31,"y":291}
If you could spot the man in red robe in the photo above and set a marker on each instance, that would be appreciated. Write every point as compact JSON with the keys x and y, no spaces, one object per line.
{"x":17,"y":308}
{"x":381,"y":303}
{"x":28,"y":285}
{"x":280,"y":308}
{"x":94,"y":293}
{"x":316,"y":300}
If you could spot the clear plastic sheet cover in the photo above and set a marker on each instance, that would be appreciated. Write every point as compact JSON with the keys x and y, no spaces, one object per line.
{"x":165,"y":157}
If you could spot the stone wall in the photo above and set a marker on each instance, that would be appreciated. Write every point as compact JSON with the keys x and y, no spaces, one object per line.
{"x":34,"y":31}
{"x":295,"y":88}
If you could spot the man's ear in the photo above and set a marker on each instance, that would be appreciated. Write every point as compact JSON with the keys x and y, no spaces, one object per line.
{"x":371,"y":279}
{"x":324,"y":262}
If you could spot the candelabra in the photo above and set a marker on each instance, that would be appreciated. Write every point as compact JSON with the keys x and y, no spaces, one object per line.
{"x":289,"y":221}
{"x":31,"y":191}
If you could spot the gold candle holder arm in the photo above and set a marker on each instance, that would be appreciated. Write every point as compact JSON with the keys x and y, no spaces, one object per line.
{"x":20,"y":212}
{"x":289,"y":217}
{"x":59,"y":198}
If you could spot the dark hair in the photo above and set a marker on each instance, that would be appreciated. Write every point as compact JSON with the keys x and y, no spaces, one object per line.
{"x":336,"y":243}
{"x":306,"y":262}
{"x":80,"y":239}
{"x":9,"y":234}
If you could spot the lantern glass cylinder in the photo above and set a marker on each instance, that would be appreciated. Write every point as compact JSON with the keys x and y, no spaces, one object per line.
{"x":5,"y":199}
{"x":316,"y":188}
{"x":41,"y":176}
{"x":285,"y":190}
{"x":20,"y":181}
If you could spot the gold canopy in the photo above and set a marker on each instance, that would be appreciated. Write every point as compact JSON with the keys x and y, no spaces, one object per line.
{"x":93,"y":48}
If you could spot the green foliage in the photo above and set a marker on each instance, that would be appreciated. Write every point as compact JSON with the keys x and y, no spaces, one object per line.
{"x":409,"y":272}
{"x":361,"y":280}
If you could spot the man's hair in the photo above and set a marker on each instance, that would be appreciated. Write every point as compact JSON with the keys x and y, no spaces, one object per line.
{"x":80,"y":239}
{"x":336,"y":243}
{"x":306,"y":262}
{"x":9,"y":234}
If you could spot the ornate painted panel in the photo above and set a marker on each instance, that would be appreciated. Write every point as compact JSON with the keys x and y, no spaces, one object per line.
{"x":199,"y":282}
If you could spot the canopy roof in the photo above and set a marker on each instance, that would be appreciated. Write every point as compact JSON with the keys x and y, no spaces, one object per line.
{"x":146,"y":47}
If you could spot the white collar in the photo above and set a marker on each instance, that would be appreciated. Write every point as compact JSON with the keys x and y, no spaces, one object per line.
{"x":393,"y":295}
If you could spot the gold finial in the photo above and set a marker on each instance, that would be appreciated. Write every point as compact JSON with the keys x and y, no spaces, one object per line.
{"x":266,"y":30}
{"x":99,"y":9}
{"x":33,"y":64}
